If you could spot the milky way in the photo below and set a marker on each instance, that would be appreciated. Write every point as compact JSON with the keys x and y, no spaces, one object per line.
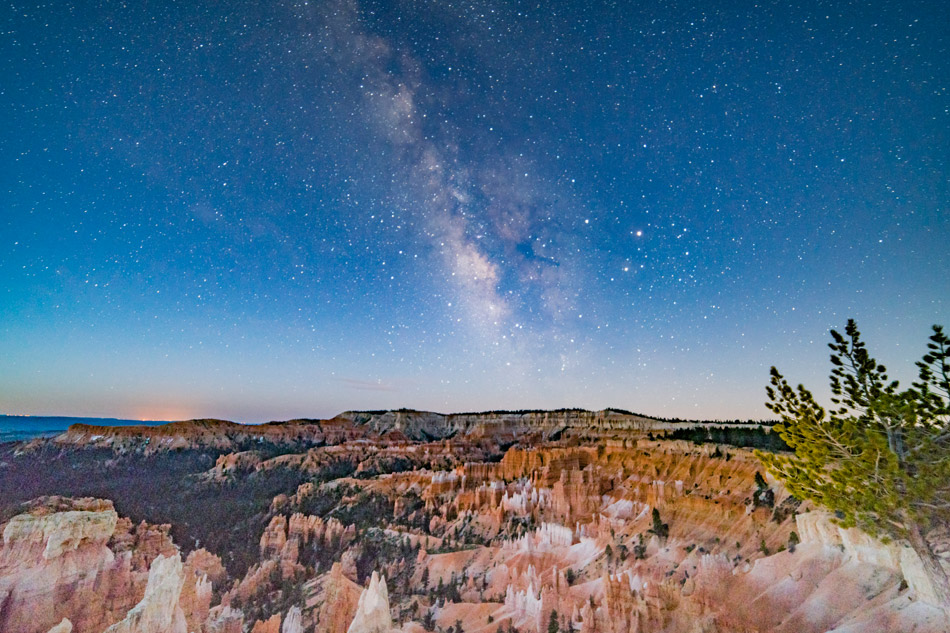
{"x":266,"y":210}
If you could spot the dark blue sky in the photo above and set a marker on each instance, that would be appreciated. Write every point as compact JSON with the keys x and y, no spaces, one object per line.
{"x":265,"y":210}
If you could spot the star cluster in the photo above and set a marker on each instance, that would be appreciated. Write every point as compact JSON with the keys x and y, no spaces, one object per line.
{"x":265,"y":210}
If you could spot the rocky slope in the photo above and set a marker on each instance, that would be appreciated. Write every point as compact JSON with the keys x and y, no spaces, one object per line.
{"x":409,"y":521}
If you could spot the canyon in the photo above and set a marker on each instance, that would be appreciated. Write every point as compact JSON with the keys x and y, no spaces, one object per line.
{"x":374,"y":522}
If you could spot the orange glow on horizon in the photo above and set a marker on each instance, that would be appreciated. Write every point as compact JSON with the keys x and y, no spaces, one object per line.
{"x":162,"y":413}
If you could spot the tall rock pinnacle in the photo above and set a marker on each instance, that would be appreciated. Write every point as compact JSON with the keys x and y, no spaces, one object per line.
{"x":372,"y":611}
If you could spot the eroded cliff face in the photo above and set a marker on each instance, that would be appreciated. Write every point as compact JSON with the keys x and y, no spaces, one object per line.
{"x":55,"y":563}
{"x":409,"y":521}
{"x":389,"y":427}
{"x":512,"y":426}
{"x":334,"y":602}
{"x":58,"y":526}
{"x":159,"y":610}
{"x":820,"y":529}
{"x":74,"y":564}
{"x":217,"y":434}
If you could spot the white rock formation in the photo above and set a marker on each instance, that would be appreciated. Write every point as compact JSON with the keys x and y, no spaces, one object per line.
{"x":61,"y":531}
{"x":819,"y":527}
{"x":56,"y":565}
{"x":223,"y":619}
{"x":63,"y":627}
{"x":159,"y":611}
{"x":372,"y":611}
{"x":523,"y":605}
{"x":293,"y":623}
{"x":543,"y":538}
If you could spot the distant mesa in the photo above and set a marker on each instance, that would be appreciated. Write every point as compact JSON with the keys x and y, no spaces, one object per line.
{"x":395,"y":425}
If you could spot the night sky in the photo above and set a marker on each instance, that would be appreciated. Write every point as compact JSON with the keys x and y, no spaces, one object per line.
{"x":264,"y":210}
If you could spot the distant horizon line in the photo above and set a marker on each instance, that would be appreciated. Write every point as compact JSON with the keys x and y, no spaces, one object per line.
{"x":393,"y":410}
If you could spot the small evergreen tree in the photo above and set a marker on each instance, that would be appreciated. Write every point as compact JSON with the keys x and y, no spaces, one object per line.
{"x":639,"y":549}
{"x":763,"y":495}
{"x":553,"y":626}
{"x":659,"y":528}
{"x":880,"y":456}
{"x":793,"y":541}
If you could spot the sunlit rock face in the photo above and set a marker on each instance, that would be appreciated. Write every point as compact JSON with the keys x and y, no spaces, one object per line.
{"x":587,"y":522}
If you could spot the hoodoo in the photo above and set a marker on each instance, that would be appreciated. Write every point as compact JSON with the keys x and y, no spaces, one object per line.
{"x":372,"y":611}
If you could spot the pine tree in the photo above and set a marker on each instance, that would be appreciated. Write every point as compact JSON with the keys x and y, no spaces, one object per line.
{"x":880,"y":456}
{"x":639,"y":549}
{"x":793,"y":541}
{"x":659,"y":528}
{"x":553,"y":625}
{"x":570,"y":576}
{"x":763,"y":495}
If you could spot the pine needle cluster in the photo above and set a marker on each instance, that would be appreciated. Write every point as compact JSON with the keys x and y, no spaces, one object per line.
{"x":879,"y":457}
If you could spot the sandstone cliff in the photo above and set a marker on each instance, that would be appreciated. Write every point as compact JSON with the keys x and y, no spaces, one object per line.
{"x":75,"y":563}
{"x":56,"y":564}
{"x":158,"y":611}
{"x":393,"y":428}
{"x":335,"y":605}
{"x":422,"y":425}
{"x":218,"y":434}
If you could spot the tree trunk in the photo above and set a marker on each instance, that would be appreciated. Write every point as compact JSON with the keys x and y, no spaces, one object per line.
{"x":935,"y":572}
